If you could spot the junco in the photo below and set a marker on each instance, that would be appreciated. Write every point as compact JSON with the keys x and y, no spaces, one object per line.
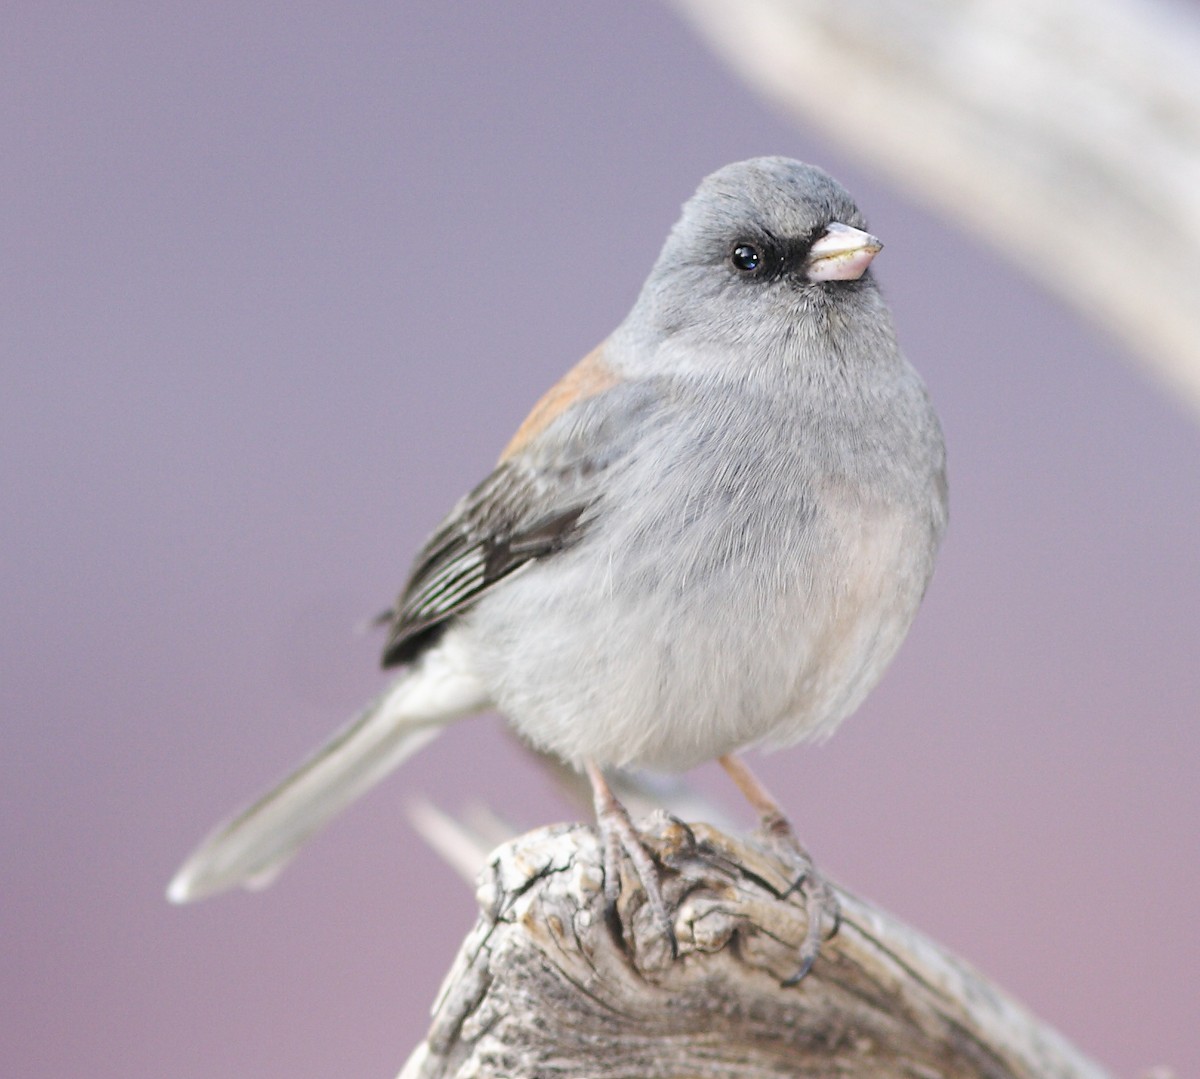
{"x":712,"y":533}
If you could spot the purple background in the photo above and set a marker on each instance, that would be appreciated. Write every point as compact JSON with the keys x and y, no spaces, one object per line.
{"x":278,"y":283}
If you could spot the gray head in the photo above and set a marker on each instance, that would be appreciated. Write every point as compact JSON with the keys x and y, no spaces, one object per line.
{"x":768,"y":245}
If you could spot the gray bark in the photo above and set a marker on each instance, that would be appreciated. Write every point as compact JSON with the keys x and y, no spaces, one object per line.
{"x":549,"y":985}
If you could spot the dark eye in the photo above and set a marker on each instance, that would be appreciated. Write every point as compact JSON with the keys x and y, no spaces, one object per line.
{"x":746,"y":258}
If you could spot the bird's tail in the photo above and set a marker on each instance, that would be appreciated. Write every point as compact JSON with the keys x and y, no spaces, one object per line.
{"x":254,"y":846}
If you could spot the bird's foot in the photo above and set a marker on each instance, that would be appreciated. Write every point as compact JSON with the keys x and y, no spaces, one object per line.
{"x":823,"y":912}
{"x":821,"y":907}
{"x":619,"y":836}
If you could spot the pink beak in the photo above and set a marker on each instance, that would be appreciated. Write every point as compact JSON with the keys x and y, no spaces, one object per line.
{"x":841,"y":254}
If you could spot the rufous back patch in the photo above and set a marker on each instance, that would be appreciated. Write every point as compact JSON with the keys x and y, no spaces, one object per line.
{"x":588,"y":377}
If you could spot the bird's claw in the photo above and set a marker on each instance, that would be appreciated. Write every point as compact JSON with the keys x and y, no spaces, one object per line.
{"x":620,"y":837}
{"x":823,"y":915}
{"x":822,"y":911}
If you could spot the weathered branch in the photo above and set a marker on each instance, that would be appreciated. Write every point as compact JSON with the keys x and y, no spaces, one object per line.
{"x":1064,"y":132}
{"x":546,"y":985}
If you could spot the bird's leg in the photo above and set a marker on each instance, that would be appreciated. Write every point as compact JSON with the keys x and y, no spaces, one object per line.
{"x":618,"y":834}
{"x":820,"y":903}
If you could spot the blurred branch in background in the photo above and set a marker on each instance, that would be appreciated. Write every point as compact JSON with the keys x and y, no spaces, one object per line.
{"x":1066,"y":133}
{"x":548,"y":985}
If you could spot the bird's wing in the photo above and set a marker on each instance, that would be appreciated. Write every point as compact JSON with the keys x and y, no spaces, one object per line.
{"x":511,"y":518}
{"x":540,"y":499}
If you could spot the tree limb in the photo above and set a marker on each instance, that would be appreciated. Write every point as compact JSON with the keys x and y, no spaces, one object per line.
{"x":546,"y":985}
{"x":1064,"y":132}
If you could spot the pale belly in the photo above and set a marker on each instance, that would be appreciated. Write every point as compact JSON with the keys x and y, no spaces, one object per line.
{"x":601,"y":660}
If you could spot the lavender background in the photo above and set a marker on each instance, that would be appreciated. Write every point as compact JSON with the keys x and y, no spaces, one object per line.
{"x":278,"y":283}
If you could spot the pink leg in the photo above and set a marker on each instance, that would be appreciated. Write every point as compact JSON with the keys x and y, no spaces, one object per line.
{"x":618,"y":834}
{"x":820,"y":904}
{"x":770,"y":813}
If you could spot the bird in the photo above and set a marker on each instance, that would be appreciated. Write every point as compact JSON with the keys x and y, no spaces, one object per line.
{"x":712,"y":534}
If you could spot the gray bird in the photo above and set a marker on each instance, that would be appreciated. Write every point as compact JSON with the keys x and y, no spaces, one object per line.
{"x":712,"y":533}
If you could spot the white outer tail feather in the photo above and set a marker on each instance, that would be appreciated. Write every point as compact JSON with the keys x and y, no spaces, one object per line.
{"x":252,"y":848}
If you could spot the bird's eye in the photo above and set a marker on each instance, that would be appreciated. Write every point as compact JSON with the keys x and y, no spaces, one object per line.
{"x":746,"y":258}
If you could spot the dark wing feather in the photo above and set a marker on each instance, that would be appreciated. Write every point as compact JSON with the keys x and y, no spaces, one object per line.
{"x":501,"y":525}
{"x":533,"y":505}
